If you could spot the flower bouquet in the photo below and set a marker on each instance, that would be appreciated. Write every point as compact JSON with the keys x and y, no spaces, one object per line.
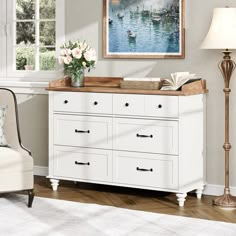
{"x":76,"y":57}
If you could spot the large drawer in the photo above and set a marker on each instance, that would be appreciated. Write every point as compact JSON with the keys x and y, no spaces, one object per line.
{"x":99,"y":103}
{"x":83,"y":131}
{"x":82,"y":163}
{"x":152,"y":170}
{"x":154,"y":136}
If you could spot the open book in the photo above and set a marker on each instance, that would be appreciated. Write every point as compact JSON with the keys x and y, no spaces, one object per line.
{"x":177,"y":80}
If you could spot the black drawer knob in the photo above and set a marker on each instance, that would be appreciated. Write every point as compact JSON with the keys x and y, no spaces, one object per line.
{"x":66,"y":101}
{"x":160,"y":106}
{"x":126,"y":104}
{"x":95,"y":103}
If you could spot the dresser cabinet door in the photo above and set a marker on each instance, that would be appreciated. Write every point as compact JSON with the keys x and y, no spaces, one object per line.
{"x":99,"y":103}
{"x":151,"y":170}
{"x":83,"y":163}
{"x":153,"y":136}
{"x":83,"y":131}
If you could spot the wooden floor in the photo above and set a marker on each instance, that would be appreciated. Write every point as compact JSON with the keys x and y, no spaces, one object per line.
{"x":136,"y":199}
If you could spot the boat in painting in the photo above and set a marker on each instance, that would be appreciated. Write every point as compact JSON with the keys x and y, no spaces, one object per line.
{"x":120,"y":16}
{"x":131,"y":34}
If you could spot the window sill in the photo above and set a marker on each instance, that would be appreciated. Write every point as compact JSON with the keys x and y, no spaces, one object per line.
{"x":23,"y":87}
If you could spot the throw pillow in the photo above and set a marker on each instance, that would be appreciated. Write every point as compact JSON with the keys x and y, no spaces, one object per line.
{"x":3,"y":112}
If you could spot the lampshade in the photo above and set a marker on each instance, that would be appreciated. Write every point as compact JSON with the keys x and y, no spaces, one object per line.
{"x":222,"y":33}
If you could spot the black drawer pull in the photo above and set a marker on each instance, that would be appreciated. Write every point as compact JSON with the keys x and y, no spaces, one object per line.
{"x":82,"y":163}
{"x":95,"y":103}
{"x":144,"y":170}
{"x":144,"y":136}
{"x":82,"y":131}
{"x":66,"y":101}
{"x":126,"y":104}
{"x":160,"y":106}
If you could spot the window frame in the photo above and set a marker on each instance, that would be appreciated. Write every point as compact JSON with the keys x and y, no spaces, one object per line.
{"x":36,"y":76}
{"x":3,"y":39}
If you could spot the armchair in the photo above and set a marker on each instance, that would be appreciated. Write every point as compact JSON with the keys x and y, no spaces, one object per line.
{"x":16,"y":162}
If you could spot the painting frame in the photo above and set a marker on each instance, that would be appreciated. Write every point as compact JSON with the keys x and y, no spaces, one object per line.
{"x":165,"y":55}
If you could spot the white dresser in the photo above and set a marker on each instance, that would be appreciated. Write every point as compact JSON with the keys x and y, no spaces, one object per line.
{"x":135,"y":140}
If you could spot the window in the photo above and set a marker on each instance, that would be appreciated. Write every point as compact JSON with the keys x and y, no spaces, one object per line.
{"x":34,"y":32}
{"x":3,"y":38}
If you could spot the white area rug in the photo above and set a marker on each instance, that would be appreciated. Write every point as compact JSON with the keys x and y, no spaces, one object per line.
{"x":57,"y":217}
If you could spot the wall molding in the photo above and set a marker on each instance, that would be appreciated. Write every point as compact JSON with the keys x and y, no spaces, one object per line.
{"x":41,"y":170}
{"x":217,"y":190}
{"x":22,"y":87}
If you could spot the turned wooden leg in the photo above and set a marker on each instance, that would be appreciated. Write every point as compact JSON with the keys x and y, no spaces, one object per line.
{"x":199,"y":192}
{"x":54,"y":184}
{"x":30,"y":197}
{"x":181,"y":197}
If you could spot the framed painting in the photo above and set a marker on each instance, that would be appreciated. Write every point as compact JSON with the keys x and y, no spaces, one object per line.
{"x":143,"y":29}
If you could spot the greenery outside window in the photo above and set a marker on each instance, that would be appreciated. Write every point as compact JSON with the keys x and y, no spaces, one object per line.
{"x":35,"y":29}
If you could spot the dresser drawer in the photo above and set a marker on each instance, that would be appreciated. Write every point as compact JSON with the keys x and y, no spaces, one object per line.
{"x":139,"y":135}
{"x":128,"y":104}
{"x":82,"y":163}
{"x":83,"y":102}
{"x":162,"y":106}
{"x":152,"y":170}
{"x":83,"y":131}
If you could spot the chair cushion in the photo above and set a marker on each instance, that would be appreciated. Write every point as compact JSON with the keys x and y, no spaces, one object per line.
{"x":3,"y":112}
{"x":13,"y":161}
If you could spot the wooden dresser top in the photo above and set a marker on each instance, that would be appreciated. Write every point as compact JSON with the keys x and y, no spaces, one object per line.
{"x":111,"y":85}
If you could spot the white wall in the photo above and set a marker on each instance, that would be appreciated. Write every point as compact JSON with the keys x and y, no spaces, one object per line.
{"x":33,"y":118}
{"x":84,"y":21}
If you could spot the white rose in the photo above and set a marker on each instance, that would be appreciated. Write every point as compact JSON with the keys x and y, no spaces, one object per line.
{"x":67,"y":60}
{"x":77,"y":53}
{"x":84,"y":64}
{"x":68,"y":52}
{"x":93,"y":54}
{"x":90,"y":55}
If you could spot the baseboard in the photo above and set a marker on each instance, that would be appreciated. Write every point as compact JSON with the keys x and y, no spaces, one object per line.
{"x":217,"y":190}
{"x":210,"y":189}
{"x":40,"y":170}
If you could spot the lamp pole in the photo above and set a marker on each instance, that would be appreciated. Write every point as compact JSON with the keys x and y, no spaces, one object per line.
{"x":227,"y":66}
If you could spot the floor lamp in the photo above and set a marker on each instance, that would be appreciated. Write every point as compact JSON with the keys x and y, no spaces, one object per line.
{"x":222,"y":35}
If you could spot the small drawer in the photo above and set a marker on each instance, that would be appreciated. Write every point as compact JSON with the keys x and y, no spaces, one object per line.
{"x":157,"y":171}
{"x":83,"y":131}
{"x":99,"y":103}
{"x":162,"y":106}
{"x":82,"y":163}
{"x":154,"y":136}
{"x":128,"y":104}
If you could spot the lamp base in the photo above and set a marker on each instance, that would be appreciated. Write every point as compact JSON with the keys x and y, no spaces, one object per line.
{"x":226,"y":200}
